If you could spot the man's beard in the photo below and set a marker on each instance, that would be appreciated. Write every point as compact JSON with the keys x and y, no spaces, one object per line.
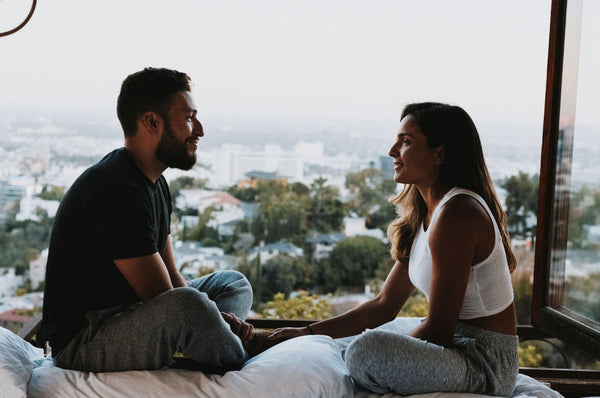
{"x":173,"y":153}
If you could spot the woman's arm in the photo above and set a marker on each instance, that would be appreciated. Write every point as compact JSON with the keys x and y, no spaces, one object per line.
{"x":462,"y":236}
{"x":377,"y":311}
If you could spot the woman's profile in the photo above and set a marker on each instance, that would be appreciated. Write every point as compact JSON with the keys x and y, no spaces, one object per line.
{"x":450,"y":241}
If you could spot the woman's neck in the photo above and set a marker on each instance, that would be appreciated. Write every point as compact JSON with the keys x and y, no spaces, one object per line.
{"x":432,"y":195}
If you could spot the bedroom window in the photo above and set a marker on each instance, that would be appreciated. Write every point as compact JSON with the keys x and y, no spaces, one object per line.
{"x":567,"y":276}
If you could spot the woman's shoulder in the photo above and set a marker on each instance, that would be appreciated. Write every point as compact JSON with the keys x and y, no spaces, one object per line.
{"x":463,"y":208}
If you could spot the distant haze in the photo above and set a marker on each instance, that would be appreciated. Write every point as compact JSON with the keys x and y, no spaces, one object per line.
{"x":334,"y":59}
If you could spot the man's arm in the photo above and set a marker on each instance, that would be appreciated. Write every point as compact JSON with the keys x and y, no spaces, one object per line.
{"x":147,"y":275}
{"x":151,"y":275}
{"x":177,"y":280}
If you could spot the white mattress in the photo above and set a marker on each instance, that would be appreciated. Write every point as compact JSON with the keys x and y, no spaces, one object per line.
{"x":309,"y":366}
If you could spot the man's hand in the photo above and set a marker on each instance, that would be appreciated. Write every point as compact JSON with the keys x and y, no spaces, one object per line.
{"x":240,"y":328}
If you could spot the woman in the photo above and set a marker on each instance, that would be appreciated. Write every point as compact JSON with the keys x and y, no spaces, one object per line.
{"x":451,"y":242}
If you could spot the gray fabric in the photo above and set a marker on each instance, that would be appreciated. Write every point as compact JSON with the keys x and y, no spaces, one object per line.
{"x":479,"y":361}
{"x":146,"y":335}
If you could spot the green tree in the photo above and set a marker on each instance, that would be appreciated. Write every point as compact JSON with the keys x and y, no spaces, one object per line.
{"x":22,"y":241}
{"x":284,"y":274}
{"x":52,"y":192}
{"x":326,"y":212}
{"x":249,"y":195}
{"x":352,"y":263}
{"x":202,"y":230}
{"x":282,"y":212}
{"x":365,"y":187}
{"x":521,"y":202}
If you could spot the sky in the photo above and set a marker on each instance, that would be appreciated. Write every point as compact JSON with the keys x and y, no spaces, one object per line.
{"x":339,"y":59}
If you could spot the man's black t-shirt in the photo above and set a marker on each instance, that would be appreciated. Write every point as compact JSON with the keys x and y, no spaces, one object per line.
{"x":112,"y":211}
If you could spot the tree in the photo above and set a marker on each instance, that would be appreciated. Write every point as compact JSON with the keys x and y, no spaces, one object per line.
{"x":352,"y":263}
{"x":202,"y":231}
{"x":371,"y":192}
{"x":284,"y":274}
{"x":249,"y":195}
{"x":302,"y":306}
{"x":52,"y":192}
{"x":326,"y":213}
{"x":521,"y":202}
{"x":365,"y":186}
{"x":282,"y":212}
{"x":585,"y":211}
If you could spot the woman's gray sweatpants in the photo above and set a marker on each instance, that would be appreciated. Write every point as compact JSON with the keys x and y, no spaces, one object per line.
{"x":146,"y":335}
{"x":386,"y":359}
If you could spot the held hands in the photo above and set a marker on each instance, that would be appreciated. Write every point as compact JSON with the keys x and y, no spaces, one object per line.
{"x":240,"y":328}
{"x":254,"y":341}
{"x":282,"y":334}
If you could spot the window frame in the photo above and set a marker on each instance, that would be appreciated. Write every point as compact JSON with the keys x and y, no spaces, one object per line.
{"x":552,"y":222}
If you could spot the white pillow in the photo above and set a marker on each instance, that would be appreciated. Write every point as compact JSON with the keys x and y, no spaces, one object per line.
{"x":305,"y":367}
{"x":17,"y":360}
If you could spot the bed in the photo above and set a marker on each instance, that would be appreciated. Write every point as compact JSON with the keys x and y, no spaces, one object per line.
{"x":309,"y":366}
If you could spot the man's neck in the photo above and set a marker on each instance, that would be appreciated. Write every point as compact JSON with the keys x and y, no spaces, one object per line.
{"x":145,"y":161}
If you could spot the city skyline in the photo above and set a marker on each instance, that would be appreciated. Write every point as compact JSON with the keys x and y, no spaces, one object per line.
{"x":310,"y":59}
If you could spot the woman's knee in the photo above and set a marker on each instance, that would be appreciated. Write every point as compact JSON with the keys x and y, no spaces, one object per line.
{"x":364,"y":363}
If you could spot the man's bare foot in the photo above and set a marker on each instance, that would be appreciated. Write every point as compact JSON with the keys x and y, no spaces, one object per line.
{"x":259,"y":343}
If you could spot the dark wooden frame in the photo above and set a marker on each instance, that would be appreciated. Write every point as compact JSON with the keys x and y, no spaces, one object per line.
{"x":551,"y":234}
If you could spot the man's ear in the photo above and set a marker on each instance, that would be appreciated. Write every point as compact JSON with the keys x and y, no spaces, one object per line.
{"x":440,"y":155}
{"x":152,"y":122}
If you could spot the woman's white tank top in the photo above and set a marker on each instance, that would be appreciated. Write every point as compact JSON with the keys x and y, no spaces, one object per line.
{"x":489,"y":290}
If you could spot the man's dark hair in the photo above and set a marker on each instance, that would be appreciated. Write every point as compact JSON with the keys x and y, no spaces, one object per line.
{"x":148,"y":90}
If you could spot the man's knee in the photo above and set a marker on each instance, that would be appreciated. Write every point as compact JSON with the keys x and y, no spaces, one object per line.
{"x":187,"y":299}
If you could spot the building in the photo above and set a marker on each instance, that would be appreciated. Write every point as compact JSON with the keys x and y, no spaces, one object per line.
{"x":192,"y":256}
{"x":265,"y":252}
{"x":323,"y":244}
{"x":234,"y":161}
{"x":14,"y":319}
{"x":37,"y":269}
{"x":254,"y":177}
{"x":9,"y":194}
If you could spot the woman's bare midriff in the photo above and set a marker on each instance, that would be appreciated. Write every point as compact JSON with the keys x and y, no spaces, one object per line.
{"x":503,"y":322}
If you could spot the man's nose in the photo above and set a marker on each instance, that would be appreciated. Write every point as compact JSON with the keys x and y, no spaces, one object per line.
{"x":198,"y":129}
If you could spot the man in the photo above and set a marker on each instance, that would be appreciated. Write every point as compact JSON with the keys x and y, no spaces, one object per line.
{"x":114,"y":299}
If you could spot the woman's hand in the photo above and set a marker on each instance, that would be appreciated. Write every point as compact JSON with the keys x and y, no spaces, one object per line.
{"x":240,"y":328}
{"x":282,"y":334}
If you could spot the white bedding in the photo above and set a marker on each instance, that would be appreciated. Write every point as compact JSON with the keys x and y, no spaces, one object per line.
{"x":309,"y":366}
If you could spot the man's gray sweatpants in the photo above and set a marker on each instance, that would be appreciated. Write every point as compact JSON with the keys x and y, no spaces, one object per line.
{"x":146,"y":335}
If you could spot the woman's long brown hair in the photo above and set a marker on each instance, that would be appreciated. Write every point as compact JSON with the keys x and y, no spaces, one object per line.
{"x":463,"y":166}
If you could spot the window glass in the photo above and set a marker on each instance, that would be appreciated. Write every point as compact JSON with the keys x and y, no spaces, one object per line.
{"x":578,"y":180}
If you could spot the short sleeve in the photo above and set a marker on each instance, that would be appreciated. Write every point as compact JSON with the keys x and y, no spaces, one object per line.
{"x":122,"y":221}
